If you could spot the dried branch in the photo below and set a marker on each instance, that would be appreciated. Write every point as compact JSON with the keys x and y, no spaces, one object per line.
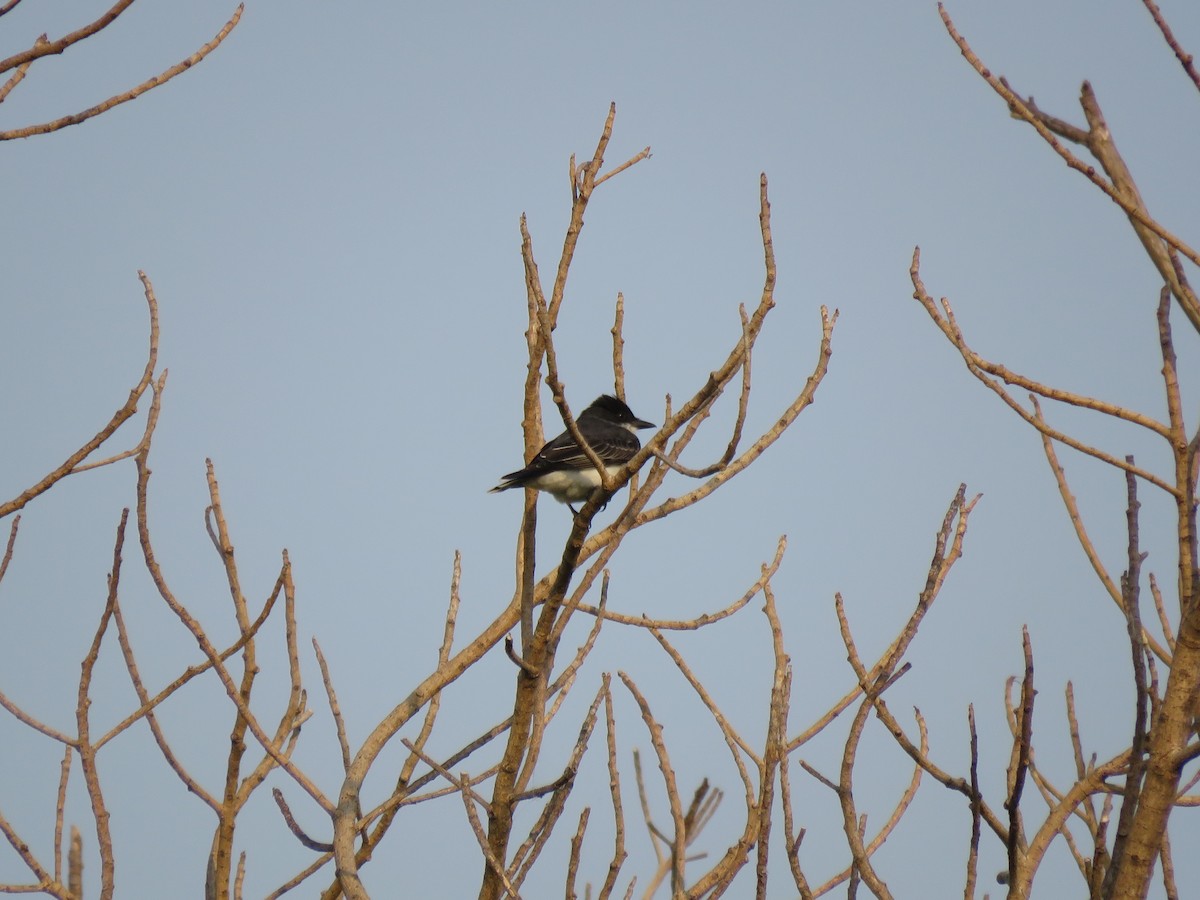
{"x":8,"y":549}
{"x":151,"y":703}
{"x":494,"y":864}
{"x":55,"y":47}
{"x":614,"y":788}
{"x":700,"y":621}
{"x":334,"y":709}
{"x":1185,"y":59}
{"x":738,"y":424}
{"x":576,"y":847}
{"x":294,"y":827}
{"x":1121,"y":191}
{"x":147,"y":711}
{"x":793,"y":843}
{"x":1163,"y":620}
{"x":44,"y":48}
{"x":1022,"y":749}
{"x":75,"y":865}
{"x":618,"y":342}
{"x":775,"y":746}
{"x":527,"y":854}
{"x":71,"y":464}
{"x":947,"y":550}
{"x":87,"y":752}
{"x":19,"y":75}
{"x":754,"y":451}
{"x":973,"y":854}
{"x":990,"y":374}
{"x":45,"y":882}
{"x":678,"y":841}
{"x":1131,"y":594}
{"x":64,"y":775}
{"x":189,"y":621}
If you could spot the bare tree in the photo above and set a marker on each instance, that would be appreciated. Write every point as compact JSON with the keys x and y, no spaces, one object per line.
{"x":1164,"y":718}
{"x":503,"y":771}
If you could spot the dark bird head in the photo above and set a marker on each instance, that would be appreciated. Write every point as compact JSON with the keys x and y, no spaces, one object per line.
{"x":608,"y":408}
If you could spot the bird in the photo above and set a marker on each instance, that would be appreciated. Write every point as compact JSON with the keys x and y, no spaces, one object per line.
{"x":563,"y":470}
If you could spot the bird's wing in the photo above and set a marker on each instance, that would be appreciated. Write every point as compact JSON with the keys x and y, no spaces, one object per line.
{"x":617,"y":447}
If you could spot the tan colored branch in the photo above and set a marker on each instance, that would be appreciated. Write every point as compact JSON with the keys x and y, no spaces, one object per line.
{"x":614,"y":787}
{"x":117,"y":99}
{"x":991,"y":373}
{"x":1132,"y":207}
{"x":1018,"y":768}
{"x":48,"y":48}
{"x":60,"y":806}
{"x":148,"y":703}
{"x":618,"y":342}
{"x":19,"y":75}
{"x":197,"y":630}
{"x":70,"y":465}
{"x":678,"y":841}
{"x":1185,"y":59}
{"x":527,"y":854}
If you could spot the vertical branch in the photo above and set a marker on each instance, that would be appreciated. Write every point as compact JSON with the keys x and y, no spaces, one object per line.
{"x":973,"y":855}
{"x":240,"y":876}
{"x":679,"y":837}
{"x":1131,"y":595}
{"x":75,"y":864}
{"x":776,"y":741}
{"x":793,"y":843}
{"x":220,"y":870}
{"x":335,"y":709}
{"x":8,"y":549}
{"x":201,"y":637}
{"x":87,"y":751}
{"x":1175,"y":713}
{"x":1023,"y":746}
{"x":852,"y":825}
{"x":614,"y":788}
{"x":576,"y":847}
{"x":526,"y":855}
{"x":64,"y":775}
{"x":531,"y":424}
{"x":618,"y":340}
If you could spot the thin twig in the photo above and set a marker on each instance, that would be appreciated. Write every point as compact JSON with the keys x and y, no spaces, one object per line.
{"x":1021,"y":752}
{"x":294,"y":827}
{"x":1185,"y":59}
{"x":119,"y":417}
{"x":973,"y":854}
{"x":117,"y":99}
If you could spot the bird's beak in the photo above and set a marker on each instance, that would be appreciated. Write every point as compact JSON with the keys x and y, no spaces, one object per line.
{"x":642,"y":423}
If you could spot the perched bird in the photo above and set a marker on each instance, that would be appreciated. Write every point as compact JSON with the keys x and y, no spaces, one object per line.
{"x":562,"y":469}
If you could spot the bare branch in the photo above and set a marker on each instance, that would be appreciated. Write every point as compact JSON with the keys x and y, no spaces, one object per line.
{"x":118,"y":419}
{"x":614,"y":788}
{"x":679,"y":838}
{"x":1119,"y":193}
{"x":1185,"y":59}
{"x":46,"y":48}
{"x":117,"y":99}
{"x":1022,"y":749}
{"x":294,"y":827}
{"x":973,"y":854}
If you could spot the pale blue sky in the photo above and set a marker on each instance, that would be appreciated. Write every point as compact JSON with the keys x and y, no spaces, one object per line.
{"x":328,"y":209}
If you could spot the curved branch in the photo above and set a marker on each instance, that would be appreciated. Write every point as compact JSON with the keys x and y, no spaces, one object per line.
{"x":131,"y":94}
{"x":71,"y":464}
{"x":49,"y":48}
